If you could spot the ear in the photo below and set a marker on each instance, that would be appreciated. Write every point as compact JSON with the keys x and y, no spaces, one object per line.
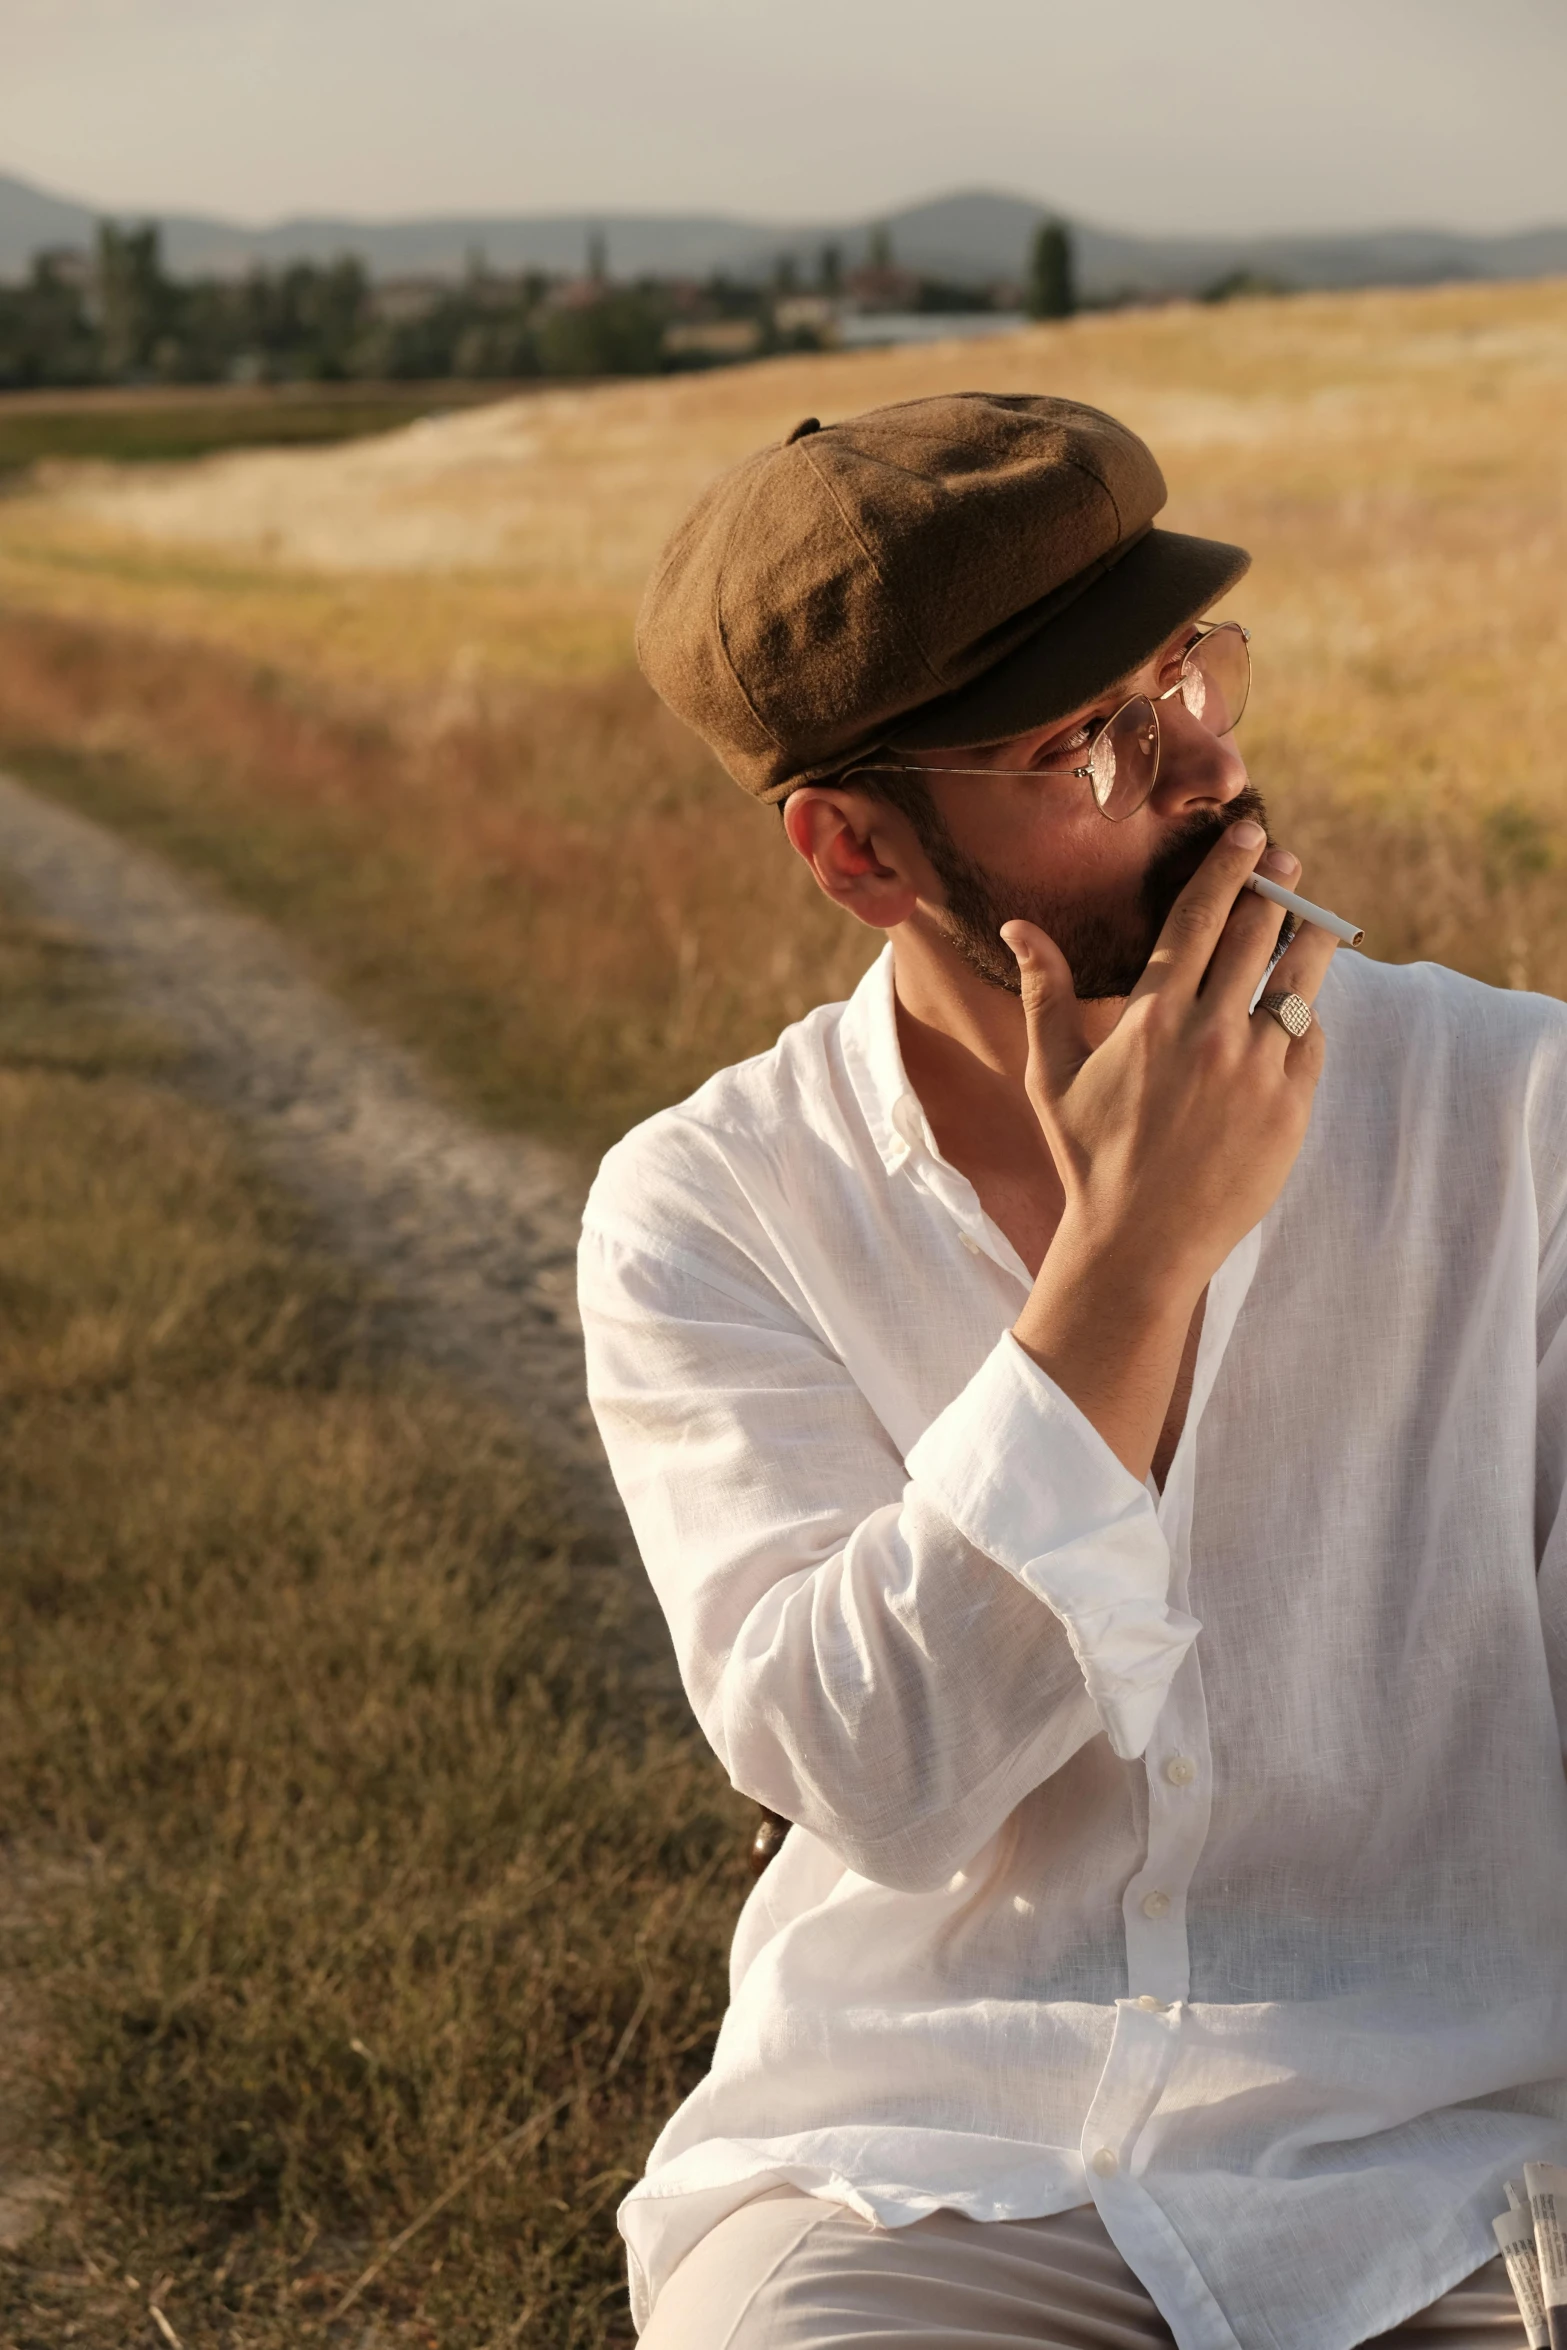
{"x":858,"y":849}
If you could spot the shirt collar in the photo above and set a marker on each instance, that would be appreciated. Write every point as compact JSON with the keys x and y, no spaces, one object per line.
{"x":868,"y":1035}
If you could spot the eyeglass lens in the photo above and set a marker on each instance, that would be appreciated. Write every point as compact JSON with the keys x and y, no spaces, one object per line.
{"x":1124,"y":761}
{"x":1125,"y":758}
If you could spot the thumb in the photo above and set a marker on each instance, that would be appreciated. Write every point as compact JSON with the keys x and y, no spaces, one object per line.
{"x":1057,"y":1046}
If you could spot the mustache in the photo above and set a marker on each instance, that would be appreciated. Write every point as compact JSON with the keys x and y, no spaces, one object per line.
{"x":1168,"y":873}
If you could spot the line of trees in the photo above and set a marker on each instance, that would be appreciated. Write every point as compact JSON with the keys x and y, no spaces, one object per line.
{"x":117,"y":316}
{"x":123,"y":319}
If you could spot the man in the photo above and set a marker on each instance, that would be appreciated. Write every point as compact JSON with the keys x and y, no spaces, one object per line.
{"x":1100,"y":1450}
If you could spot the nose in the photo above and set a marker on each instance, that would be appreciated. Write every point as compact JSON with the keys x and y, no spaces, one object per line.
{"x":1197,"y":769}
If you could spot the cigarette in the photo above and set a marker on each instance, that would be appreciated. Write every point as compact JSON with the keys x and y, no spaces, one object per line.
{"x":1304,"y":910}
{"x":1515,"y":2235}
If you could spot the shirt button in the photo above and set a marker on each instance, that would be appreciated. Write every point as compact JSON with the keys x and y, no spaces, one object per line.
{"x":1180,"y":1770}
{"x":1156,"y":1905}
{"x":1153,"y":2006}
{"x":1105,"y":2163}
{"x":970,"y":1243}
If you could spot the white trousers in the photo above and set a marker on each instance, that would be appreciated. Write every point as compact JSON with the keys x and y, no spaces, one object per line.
{"x":787,"y":2272}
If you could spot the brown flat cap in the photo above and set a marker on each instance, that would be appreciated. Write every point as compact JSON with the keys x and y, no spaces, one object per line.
{"x":943,"y":572}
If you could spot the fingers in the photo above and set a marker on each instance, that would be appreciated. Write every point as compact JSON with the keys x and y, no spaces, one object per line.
{"x":1299,"y":971}
{"x":1195,"y":924}
{"x":1301,"y":1056}
{"x":1057,"y":1046}
{"x":1304,"y":967}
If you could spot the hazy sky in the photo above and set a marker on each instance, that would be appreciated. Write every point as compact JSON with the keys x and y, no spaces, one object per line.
{"x":1210,"y":115}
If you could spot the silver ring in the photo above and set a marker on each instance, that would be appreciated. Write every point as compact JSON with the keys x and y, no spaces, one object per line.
{"x":1291,"y":1011}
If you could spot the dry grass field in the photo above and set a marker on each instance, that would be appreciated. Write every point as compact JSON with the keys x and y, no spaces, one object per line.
{"x":384,"y":691}
{"x":343,"y":1872}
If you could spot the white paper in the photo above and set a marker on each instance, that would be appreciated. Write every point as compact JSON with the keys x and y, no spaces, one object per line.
{"x":1515,"y":2235}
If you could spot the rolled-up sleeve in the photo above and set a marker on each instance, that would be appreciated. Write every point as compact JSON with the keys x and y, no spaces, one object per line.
{"x":892,"y":1654}
{"x":1031,"y":1483}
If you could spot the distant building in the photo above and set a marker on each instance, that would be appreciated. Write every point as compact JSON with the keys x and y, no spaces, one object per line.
{"x":714,"y":338}
{"x":813,"y":314}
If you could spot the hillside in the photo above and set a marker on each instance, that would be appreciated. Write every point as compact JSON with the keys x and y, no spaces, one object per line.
{"x":970,"y":234}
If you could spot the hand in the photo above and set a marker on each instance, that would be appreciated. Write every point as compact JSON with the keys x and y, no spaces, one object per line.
{"x":1171,"y":1139}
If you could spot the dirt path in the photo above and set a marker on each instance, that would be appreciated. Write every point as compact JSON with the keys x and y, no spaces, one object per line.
{"x":471,"y":1236}
{"x":472,"y":1233}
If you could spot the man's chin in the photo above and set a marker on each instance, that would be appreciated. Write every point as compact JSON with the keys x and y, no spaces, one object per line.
{"x":1096,"y":992}
{"x":1098,"y":981}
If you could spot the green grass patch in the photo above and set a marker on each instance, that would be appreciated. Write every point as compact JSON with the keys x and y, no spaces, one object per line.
{"x":142,"y":428}
{"x":347,"y":1861}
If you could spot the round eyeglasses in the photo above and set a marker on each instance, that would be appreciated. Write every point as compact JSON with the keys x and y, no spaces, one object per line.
{"x":1122,"y":764}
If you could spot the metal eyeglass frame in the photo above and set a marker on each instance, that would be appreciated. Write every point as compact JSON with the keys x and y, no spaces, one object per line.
{"x":1208,"y":629}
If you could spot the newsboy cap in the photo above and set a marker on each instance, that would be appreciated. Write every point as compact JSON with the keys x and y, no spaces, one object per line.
{"x":940,"y":573}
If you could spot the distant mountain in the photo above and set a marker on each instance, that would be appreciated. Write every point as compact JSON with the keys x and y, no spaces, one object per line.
{"x":981,"y":235}
{"x":667,"y":243}
{"x":969,"y":236}
{"x":30,"y":219}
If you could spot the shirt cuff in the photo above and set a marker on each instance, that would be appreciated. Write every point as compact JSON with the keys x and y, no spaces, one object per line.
{"x":1029,"y":1481}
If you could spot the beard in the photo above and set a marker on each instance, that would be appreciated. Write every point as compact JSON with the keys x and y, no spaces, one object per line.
{"x":1106,"y":945}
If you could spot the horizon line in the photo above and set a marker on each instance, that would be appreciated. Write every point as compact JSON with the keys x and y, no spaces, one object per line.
{"x":157,"y":215}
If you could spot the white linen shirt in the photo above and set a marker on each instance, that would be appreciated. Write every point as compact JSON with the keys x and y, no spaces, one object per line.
{"x":1205,"y":1853}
